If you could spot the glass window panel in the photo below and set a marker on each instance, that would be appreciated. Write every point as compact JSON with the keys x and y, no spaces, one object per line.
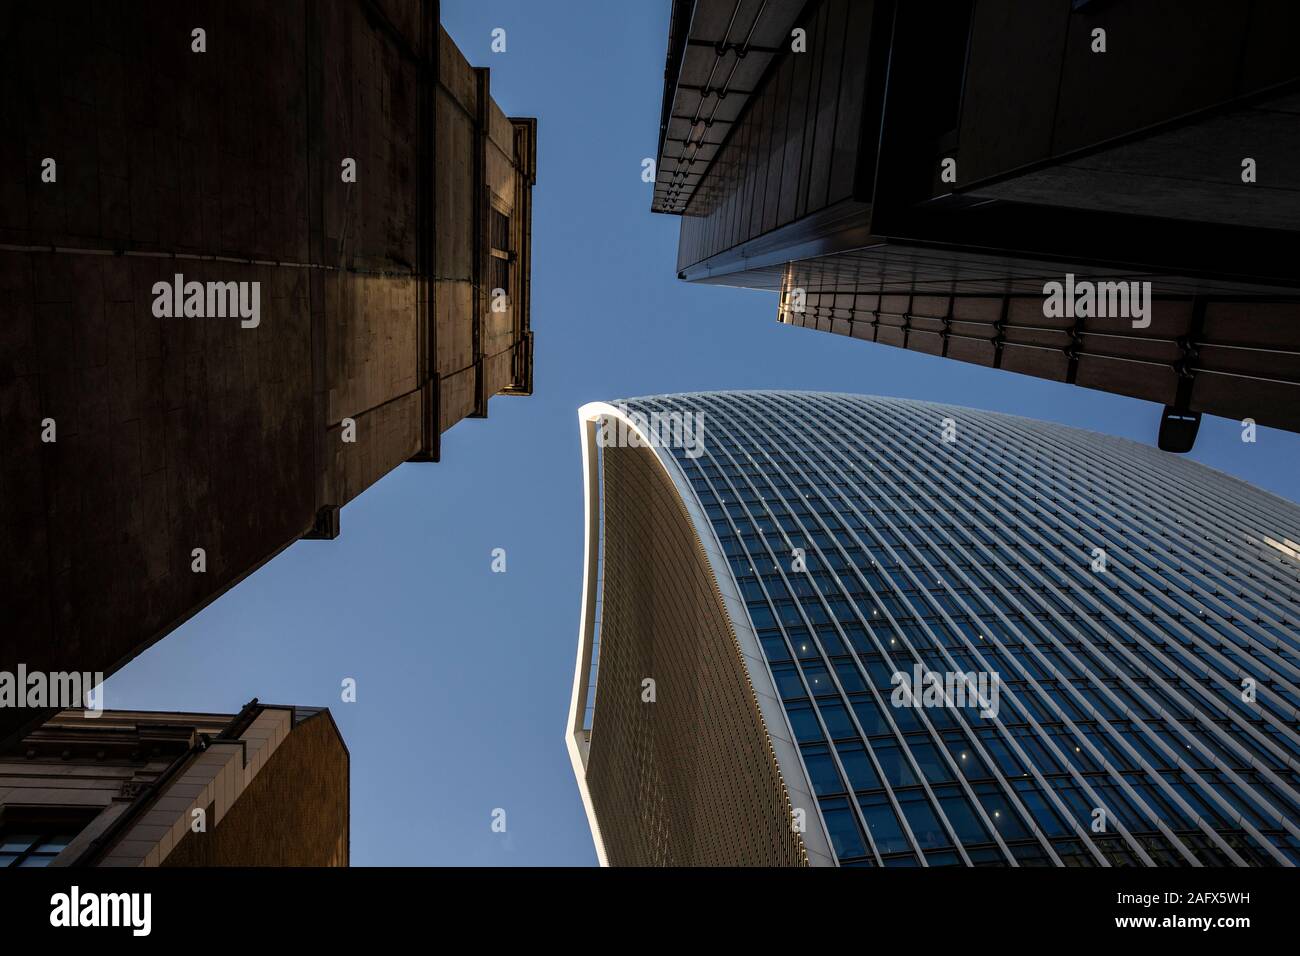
{"x":968,"y":760}
{"x":823,"y":773}
{"x":869,"y":715}
{"x":1049,"y":821}
{"x":933,"y":767}
{"x":846,"y":838}
{"x":850,"y":677}
{"x":893,"y":765}
{"x":1031,"y":855}
{"x":883,"y":824}
{"x":819,"y":679}
{"x":804,"y":723}
{"x":944,"y":858}
{"x":961,"y":814}
{"x":837,"y":719}
{"x":920,"y":818}
{"x":775,"y":649}
{"x":1007,"y":820}
{"x":862,"y":775}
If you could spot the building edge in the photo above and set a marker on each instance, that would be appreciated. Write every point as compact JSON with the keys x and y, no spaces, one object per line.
{"x":777,"y":730}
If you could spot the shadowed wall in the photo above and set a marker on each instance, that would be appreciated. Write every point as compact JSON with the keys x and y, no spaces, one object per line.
{"x":175,"y":434}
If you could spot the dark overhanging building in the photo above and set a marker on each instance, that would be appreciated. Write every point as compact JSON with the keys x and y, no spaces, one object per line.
{"x":253,"y":256}
{"x":766,"y":571}
{"x":919,"y":174}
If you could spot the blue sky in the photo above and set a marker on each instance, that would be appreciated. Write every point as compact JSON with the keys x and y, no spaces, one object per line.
{"x":463,"y":676}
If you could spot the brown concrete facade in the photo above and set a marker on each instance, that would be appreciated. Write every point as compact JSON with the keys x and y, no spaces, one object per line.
{"x":690,"y":778}
{"x":266,"y":787}
{"x":294,"y":812}
{"x":134,"y":441}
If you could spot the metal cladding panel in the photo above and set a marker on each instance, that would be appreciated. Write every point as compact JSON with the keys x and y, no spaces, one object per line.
{"x":681,"y":772}
{"x":792,"y":152}
{"x":1234,"y":357}
{"x":718,"y":53}
{"x":1127,"y":621}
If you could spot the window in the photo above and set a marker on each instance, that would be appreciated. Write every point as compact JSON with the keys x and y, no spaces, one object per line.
{"x":893,"y":765}
{"x":33,"y":847}
{"x":883,"y":823}
{"x":846,"y":839}
{"x":837,"y":720}
{"x":787,"y":680}
{"x":1004,"y":816}
{"x":804,"y":723}
{"x":858,"y":766}
{"x":821,"y":770}
{"x":962,"y":816}
{"x":869,"y":715}
{"x":920,"y":817}
{"x":501,"y":256}
{"x":500,"y":231}
{"x":932,"y":765}
{"x":819,"y":679}
{"x":849,"y":676}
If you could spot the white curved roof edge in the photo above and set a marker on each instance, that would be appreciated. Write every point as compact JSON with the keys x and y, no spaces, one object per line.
{"x":789,"y":758}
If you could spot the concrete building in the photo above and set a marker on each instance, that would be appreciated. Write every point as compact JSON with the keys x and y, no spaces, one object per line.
{"x":265,"y":787}
{"x":916,"y":174}
{"x":837,"y":630}
{"x":253,"y":256}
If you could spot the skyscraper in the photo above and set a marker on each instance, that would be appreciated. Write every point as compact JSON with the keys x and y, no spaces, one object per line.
{"x":917,"y":174}
{"x":825,"y":629}
{"x":265,"y":787}
{"x":253,"y":257}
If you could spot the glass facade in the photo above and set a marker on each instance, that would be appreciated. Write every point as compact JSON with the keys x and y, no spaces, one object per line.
{"x":999,"y":641}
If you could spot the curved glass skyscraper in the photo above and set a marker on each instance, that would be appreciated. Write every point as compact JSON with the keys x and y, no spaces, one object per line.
{"x":824,"y":629}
